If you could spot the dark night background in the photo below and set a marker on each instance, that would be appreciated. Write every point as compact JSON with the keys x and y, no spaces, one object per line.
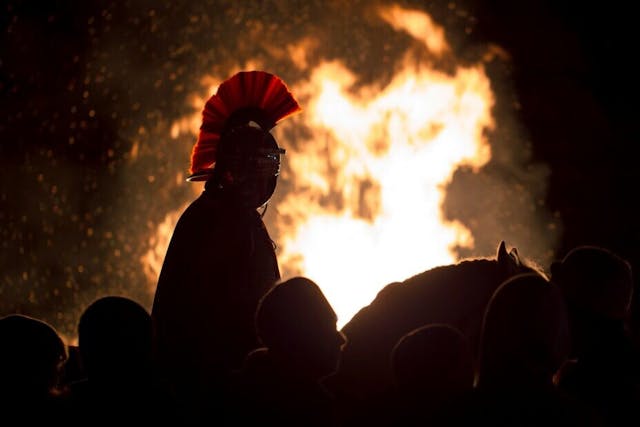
{"x":87,"y":88}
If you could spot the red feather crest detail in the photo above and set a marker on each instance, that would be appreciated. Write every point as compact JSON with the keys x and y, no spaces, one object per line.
{"x":260,"y":93}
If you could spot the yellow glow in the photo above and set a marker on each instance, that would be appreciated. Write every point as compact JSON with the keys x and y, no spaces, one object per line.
{"x":385,"y":156}
{"x":158,"y":244}
{"x":417,"y":24}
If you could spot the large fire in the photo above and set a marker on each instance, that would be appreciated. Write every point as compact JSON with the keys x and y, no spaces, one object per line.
{"x":366,"y":184}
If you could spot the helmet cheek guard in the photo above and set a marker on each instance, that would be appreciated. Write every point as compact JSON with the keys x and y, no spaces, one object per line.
{"x":249,"y":162}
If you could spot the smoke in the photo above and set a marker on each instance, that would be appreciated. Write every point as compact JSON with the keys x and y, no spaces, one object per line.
{"x":505,"y":199}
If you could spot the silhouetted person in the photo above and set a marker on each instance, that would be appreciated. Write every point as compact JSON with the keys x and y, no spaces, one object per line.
{"x":114,"y":340}
{"x":221,"y":260}
{"x":31,"y":358}
{"x":280,"y":384}
{"x":604,"y":371}
{"x":433,"y":372}
{"x":525,"y":340}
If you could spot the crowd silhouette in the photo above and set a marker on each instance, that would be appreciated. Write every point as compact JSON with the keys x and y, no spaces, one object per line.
{"x":551,"y":350}
{"x":486,"y":341}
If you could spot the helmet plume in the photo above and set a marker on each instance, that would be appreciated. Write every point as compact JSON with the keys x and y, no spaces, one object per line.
{"x":247,"y":96}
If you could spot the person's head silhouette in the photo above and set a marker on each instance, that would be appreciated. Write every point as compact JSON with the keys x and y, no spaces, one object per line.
{"x":595,"y":280}
{"x":296,"y":323}
{"x":434,"y":361}
{"x":31,"y":358}
{"x":597,"y":285}
{"x":525,"y":334}
{"x":114,"y":337}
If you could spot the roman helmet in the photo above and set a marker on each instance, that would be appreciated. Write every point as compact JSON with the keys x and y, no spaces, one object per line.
{"x":235,"y":149}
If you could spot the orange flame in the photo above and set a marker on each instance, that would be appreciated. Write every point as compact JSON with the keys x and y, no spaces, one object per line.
{"x":158,"y":243}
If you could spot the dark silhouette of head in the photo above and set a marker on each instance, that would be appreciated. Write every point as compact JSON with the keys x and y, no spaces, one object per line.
{"x":596,"y":280}
{"x":297,"y":324}
{"x":597,"y":285}
{"x":248,"y":164}
{"x":525,"y":334}
{"x":433,"y":362}
{"x":114,"y":337}
{"x":32,"y":357}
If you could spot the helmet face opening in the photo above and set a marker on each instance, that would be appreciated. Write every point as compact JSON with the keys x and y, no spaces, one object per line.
{"x":249,"y":163}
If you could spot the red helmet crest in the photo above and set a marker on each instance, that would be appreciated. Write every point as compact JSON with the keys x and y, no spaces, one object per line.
{"x":247,"y":96}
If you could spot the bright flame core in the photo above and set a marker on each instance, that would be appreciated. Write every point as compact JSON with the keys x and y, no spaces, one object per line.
{"x":364,"y":208}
